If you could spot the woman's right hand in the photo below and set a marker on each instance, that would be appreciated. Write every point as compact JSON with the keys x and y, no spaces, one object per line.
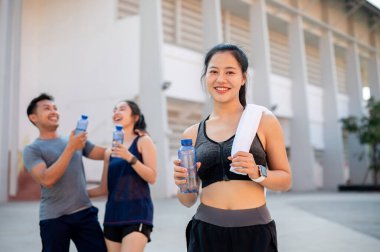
{"x":180,"y":173}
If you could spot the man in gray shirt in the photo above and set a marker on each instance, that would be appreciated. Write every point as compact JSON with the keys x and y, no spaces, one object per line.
{"x":66,"y":212}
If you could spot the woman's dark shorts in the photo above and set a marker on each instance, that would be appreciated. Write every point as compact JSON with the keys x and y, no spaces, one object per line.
{"x":117,"y":233}
{"x":205,"y":237}
{"x":246,"y":230}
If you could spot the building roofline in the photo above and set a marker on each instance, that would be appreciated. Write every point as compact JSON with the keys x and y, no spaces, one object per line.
{"x":372,"y":8}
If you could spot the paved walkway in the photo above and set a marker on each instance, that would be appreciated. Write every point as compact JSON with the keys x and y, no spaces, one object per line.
{"x":339,"y":222}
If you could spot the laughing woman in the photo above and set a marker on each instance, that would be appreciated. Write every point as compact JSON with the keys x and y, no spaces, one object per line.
{"x":129,"y":168}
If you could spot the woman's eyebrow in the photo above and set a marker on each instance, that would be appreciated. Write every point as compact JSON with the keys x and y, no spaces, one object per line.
{"x":227,"y":68}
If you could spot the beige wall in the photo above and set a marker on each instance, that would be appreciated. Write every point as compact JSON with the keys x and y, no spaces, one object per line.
{"x":361,"y":28}
{"x":337,"y":15}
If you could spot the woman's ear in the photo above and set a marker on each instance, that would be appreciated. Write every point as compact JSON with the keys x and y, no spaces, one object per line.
{"x":136,"y":118}
{"x":244,"y":79}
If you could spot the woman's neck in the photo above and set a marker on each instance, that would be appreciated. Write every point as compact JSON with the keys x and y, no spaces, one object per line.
{"x":226,"y":110}
{"x":129,"y":133}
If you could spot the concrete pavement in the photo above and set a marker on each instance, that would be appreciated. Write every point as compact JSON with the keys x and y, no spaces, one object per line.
{"x":308,"y":222}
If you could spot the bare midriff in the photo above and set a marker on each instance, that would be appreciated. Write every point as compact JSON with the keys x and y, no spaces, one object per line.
{"x":233,"y":195}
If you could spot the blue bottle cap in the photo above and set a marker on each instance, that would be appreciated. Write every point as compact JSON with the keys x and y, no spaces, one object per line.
{"x":84,"y":117}
{"x":119,"y":127}
{"x":186,"y":142}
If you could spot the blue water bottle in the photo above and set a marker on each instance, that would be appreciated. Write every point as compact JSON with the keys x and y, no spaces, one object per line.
{"x":188,"y":158}
{"x":81,"y":125}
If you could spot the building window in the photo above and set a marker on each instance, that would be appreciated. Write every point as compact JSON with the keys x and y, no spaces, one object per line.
{"x":169,"y":20}
{"x":341,"y":69}
{"x":279,"y":53}
{"x":313,"y":59}
{"x":182,"y":23}
{"x":127,"y":8}
{"x":236,"y":30}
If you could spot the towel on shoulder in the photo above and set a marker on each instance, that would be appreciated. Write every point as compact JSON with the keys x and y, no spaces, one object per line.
{"x":247,"y":129}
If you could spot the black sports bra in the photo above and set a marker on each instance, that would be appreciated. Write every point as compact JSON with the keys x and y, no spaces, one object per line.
{"x":213,"y":157}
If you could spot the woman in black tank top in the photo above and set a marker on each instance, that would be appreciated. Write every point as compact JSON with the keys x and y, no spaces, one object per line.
{"x":233,"y":215}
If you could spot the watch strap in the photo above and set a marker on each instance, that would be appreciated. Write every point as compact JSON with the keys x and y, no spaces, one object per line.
{"x":261,"y":178}
{"x":133,"y":160}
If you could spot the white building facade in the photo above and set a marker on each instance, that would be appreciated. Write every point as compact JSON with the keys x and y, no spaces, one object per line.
{"x":310,"y":61}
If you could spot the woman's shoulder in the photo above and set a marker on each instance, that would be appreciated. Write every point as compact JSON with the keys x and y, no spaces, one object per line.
{"x":269,"y":123}
{"x":144,"y":139}
{"x":191,"y":132}
{"x":269,"y":118}
{"x":145,"y":142}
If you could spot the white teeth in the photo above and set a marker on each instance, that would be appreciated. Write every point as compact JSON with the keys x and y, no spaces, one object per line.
{"x":221,"y":88}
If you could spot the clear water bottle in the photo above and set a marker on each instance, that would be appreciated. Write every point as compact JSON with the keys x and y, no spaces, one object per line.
{"x":118,"y":135}
{"x":188,"y":158}
{"x":81,"y":125}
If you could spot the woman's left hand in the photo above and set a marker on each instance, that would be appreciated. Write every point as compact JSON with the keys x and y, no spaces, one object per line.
{"x":245,"y":163}
{"x":120,"y":151}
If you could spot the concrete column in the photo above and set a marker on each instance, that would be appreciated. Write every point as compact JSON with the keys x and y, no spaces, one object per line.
{"x":5,"y":87}
{"x":212,"y":23}
{"x":153,"y":100}
{"x":333,"y":154}
{"x":374,"y":76}
{"x":301,"y":149}
{"x":15,"y":96}
{"x":358,"y":167}
{"x":212,"y":35}
{"x":260,"y":53}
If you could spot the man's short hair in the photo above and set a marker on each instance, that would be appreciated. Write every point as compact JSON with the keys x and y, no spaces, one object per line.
{"x":33,"y":104}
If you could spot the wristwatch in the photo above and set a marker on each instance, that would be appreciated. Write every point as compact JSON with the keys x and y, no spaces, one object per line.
{"x":262,"y":172}
{"x":133,"y":160}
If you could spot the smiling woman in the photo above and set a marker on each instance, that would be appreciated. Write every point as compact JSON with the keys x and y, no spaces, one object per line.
{"x":224,"y":75}
{"x":232,"y":215}
{"x":226,"y":70}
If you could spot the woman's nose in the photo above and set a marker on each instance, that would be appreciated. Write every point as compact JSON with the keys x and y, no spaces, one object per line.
{"x":220,"y":78}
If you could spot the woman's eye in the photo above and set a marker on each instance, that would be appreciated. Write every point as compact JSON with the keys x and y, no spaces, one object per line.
{"x":230,"y":73}
{"x":213,"y":72}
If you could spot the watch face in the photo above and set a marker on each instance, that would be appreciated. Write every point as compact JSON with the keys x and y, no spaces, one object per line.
{"x":263,"y":171}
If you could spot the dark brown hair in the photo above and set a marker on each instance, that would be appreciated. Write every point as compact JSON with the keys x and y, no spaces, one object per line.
{"x":140,"y":124}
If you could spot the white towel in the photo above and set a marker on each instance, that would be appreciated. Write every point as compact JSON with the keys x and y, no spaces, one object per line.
{"x":246,"y":131}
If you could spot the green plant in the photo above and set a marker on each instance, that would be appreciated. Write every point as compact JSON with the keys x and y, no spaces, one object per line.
{"x":367,"y":129}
